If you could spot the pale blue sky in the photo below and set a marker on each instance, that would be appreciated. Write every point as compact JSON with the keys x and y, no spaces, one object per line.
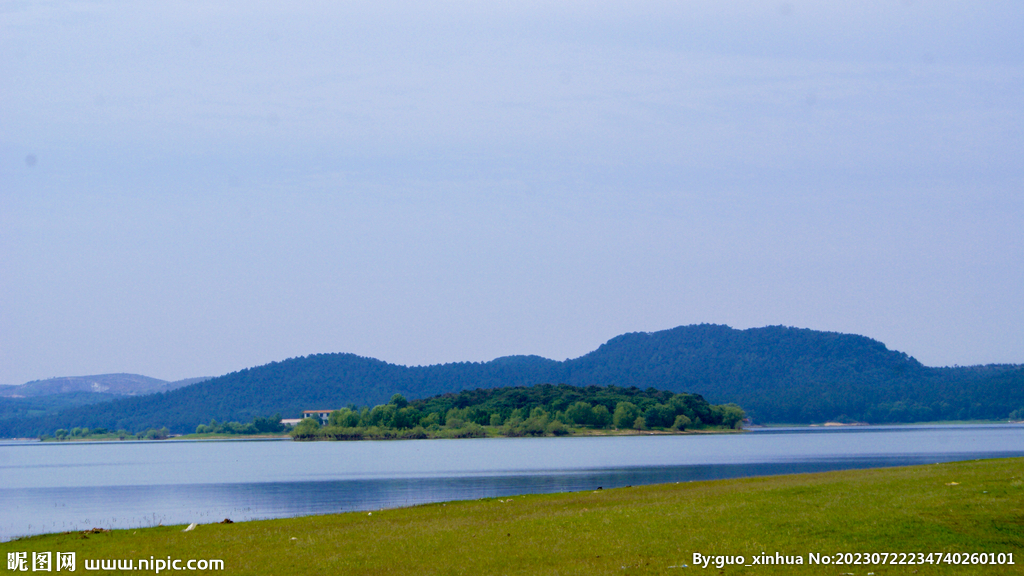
{"x":193,"y":188}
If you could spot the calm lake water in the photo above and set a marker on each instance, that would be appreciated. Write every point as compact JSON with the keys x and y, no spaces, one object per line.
{"x":55,"y":487}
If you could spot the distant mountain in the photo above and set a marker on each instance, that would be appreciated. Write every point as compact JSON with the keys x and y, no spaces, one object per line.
{"x":35,"y":406}
{"x":51,"y":396}
{"x":115,"y":384}
{"x":777,"y":374}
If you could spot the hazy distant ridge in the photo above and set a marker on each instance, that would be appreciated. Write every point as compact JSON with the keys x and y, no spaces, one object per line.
{"x":117,"y":384}
{"x":777,"y":374}
{"x":41,"y":398}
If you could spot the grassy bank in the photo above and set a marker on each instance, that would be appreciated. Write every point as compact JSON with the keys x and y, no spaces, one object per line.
{"x":957,"y":507}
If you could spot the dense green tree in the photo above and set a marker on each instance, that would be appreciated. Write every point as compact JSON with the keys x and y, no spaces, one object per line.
{"x":660,"y":416}
{"x":625,"y":415}
{"x":268,"y":425}
{"x":602,"y":417}
{"x":455,"y":418}
{"x":345,"y":418}
{"x":407,"y":417}
{"x":729,"y":415}
{"x":580,"y":414}
{"x":382,"y":415}
{"x":432,"y":419}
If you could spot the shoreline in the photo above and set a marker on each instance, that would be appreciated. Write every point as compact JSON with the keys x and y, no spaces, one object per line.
{"x":577,"y":432}
{"x":647,"y":529}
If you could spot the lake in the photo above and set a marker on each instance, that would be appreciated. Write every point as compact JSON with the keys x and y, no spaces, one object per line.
{"x":56,"y":487}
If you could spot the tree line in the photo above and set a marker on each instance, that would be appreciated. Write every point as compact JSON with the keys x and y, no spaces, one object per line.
{"x":259,"y":425}
{"x":81,"y":433}
{"x":542,"y":410}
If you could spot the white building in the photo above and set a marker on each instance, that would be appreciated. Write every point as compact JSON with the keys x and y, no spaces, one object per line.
{"x":323,"y":415}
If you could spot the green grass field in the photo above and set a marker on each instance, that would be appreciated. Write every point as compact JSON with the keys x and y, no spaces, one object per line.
{"x":963,"y":507}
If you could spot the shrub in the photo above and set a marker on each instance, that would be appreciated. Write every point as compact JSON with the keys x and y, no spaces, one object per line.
{"x":417,"y":433}
{"x":470,"y":430}
{"x":155,"y":434}
{"x":557,"y":428}
{"x":306,"y":429}
{"x":535,"y":425}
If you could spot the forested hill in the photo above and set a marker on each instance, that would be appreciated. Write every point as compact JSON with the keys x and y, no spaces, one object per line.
{"x":776,"y":374}
{"x":780,"y":374}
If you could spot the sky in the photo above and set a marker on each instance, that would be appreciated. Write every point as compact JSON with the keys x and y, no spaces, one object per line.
{"x":193,"y":188}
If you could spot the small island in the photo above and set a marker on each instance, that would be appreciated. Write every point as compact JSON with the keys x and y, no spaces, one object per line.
{"x":541,"y":410}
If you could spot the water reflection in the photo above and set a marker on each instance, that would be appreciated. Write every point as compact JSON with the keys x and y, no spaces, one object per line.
{"x":207,"y":482}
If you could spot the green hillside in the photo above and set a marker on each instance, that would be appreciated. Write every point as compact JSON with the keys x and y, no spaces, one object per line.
{"x":776,"y":374}
{"x":780,"y":374}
